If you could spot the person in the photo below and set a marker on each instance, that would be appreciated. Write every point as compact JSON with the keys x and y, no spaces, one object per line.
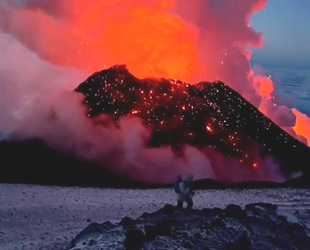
{"x":184,"y":191}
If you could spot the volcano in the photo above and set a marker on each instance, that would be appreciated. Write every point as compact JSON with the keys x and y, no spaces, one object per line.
{"x":211,"y":117}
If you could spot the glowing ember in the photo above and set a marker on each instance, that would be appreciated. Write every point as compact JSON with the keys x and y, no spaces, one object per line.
{"x":255,"y":166}
{"x":178,"y":113}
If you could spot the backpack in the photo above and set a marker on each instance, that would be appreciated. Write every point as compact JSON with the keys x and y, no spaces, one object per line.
{"x":177,"y":186}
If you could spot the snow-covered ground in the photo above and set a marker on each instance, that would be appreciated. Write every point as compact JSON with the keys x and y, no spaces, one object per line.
{"x":40,"y":217}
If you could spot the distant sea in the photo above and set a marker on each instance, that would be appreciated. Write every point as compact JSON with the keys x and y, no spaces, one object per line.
{"x":292,"y":87}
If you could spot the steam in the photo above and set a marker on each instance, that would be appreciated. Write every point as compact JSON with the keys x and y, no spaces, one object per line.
{"x":49,"y":47}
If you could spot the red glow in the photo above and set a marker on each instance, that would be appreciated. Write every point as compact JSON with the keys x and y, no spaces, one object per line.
{"x":96,"y":34}
{"x":302,"y":127}
{"x":209,"y":128}
{"x":263,"y":85}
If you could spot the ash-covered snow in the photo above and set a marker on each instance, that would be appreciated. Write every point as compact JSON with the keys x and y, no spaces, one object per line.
{"x":41,"y":217}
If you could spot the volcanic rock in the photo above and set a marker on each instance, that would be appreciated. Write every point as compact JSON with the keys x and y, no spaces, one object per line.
{"x":235,"y":211}
{"x":260,"y":227}
{"x":127,"y":222}
{"x":242,"y":242}
{"x":134,"y":239}
{"x":150,"y":232}
{"x":164,"y":227}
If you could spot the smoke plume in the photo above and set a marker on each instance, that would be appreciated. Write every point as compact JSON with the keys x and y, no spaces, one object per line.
{"x":49,"y":47}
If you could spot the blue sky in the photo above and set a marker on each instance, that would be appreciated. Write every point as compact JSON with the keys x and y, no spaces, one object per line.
{"x":286,"y":28}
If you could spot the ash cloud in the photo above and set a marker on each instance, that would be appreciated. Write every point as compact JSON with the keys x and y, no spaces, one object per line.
{"x":54,"y":8}
{"x":49,"y":47}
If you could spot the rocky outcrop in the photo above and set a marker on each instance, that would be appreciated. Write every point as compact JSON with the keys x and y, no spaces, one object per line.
{"x":257,"y":226}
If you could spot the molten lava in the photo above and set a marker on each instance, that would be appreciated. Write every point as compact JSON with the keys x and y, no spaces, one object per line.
{"x":302,"y":127}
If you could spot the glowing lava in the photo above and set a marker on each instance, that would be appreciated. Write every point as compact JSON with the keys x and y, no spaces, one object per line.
{"x":302,"y":127}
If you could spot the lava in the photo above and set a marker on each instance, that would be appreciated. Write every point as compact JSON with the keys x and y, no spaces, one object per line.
{"x":302,"y":126}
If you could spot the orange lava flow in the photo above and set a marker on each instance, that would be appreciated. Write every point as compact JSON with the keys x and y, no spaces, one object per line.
{"x":302,"y":127}
{"x":263,"y":85}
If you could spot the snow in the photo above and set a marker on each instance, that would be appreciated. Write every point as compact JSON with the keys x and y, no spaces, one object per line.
{"x":42,"y":217}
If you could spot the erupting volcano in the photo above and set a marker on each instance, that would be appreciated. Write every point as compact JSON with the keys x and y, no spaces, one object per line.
{"x":133,"y":120}
{"x":209,"y":116}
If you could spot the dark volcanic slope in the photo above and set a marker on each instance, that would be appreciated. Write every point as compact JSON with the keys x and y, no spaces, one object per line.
{"x":208,"y":115}
{"x":33,"y":162}
{"x":257,"y":227}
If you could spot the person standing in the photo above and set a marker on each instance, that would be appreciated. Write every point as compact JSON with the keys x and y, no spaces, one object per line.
{"x":184,"y":192}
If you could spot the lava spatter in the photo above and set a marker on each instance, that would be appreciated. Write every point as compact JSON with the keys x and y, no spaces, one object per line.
{"x":204,"y":115}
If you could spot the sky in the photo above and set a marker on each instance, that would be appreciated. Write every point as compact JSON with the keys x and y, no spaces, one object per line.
{"x":285,"y":24}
